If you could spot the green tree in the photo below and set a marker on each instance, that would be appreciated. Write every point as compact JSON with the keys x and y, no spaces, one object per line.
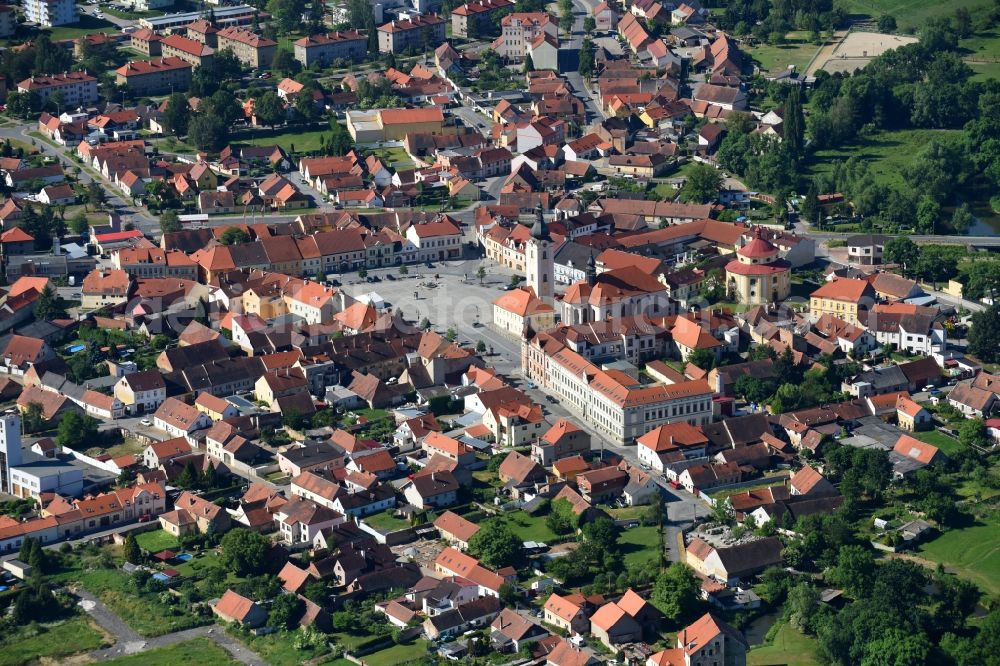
{"x":208,"y":133}
{"x":676,"y":592}
{"x":961,"y":219}
{"x":586,"y":65}
{"x":78,"y":223}
{"x":887,"y":23}
{"x":33,"y":419}
{"x":177,"y":115}
{"x":496,"y":545}
{"x":287,"y":14}
{"x":233,"y":236}
{"x":130,"y":550}
{"x":972,"y":433}
{"x":169,"y":222}
{"x":702,"y":184}
{"x":286,"y":610}
{"x":703,"y":358}
{"x":76,"y":430}
{"x":589,"y":25}
{"x":903,"y":251}
{"x":49,"y":305}
{"x":984,"y":333}
{"x":602,"y":534}
{"x":528,"y":65}
{"x":793,"y":128}
{"x":268,"y":108}
{"x":754,"y":389}
{"x":561,"y":518}
{"x":285,"y":63}
{"x":244,"y":552}
{"x":855,"y":569}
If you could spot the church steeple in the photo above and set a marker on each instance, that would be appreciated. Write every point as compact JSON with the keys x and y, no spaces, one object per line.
{"x":540,"y":230}
{"x":539,"y":259}
{"x":591,"y":269}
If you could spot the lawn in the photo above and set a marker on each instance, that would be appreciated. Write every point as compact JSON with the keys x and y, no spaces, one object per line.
{"x":790,"y":647}
{"x":199,"y":651}
{"x":145,"y":613}
{"x":86,"y":26}
{"x":949,"y":445}
{"x":397,"y":654}
{"x":973,"y":552}
{"x":290,"y":138}
{"x":886,"y":153}
{"x":156,"y":541}
{"x":639,"y":545}
{"x":386,"y":522}
{"x":911,"y":14}
{"x":797,"y":50}
{"x":982,"y":53}
{"x":528,"y":527}
{"x":54,"y":641}
{"x":397,"y":157}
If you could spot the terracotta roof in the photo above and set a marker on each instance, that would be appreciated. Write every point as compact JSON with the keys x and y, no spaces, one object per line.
{"x":842,"y":289}
{"x":561,"y":607}
{"x":454,"y":524}
{"x":233,"y":605}
{"x":914,"y":448}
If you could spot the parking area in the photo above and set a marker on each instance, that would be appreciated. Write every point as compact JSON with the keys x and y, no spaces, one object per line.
{"x":449,"y":295}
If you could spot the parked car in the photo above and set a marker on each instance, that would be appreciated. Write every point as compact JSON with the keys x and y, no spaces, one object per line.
{"x":146,"y":422}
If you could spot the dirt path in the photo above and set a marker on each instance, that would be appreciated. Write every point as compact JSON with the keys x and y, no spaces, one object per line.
{"x":127,"y":641}
{"x":825,"y":52}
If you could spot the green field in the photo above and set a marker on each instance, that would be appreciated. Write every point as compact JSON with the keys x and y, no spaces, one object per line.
{"x":973,"y":552}
{"x":797,"y":50}
{"x":287,"y":138}
{"x":52,"y":642}
{"x":982,"y":53}
{"x":886,"y":152}
{"x":199,"y":651}
{"x":790,"y":647}
{"x":396,"y":158}
{"x":87,"y":25}
{"x":147,"y":614}
{"x":156,"y":541}
{"x":910,"y":14}
{"x":386,"y":522}
{"x":949,"y":445}
{"x":528,"y":527}
{"x":638,"y":545}
{"x":397,"y":654}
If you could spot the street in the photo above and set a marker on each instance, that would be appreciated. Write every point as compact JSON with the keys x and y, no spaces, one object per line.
{"x":460,"y":302}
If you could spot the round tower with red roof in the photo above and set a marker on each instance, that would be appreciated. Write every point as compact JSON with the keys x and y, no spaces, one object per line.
{"x":758,"y":275}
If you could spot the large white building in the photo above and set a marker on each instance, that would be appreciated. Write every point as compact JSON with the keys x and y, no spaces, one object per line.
{"x":26,"y":474}
{"x":611,"y":400}
{"x":50,"y":13}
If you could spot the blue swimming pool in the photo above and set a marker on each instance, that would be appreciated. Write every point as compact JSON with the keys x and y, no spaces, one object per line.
{"x":76,"y":348}
{"x":163,"y":578}
{"x":184,"y":557}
